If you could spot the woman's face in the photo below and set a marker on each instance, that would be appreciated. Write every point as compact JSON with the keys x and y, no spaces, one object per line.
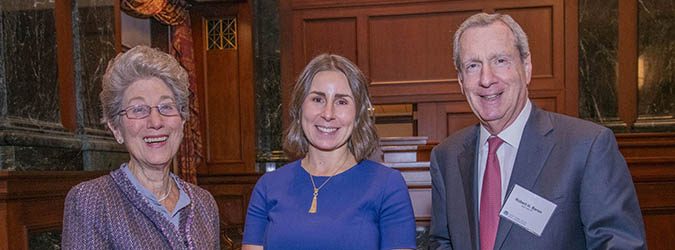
{"x":328,"y":112}
{"x":154,"y":140}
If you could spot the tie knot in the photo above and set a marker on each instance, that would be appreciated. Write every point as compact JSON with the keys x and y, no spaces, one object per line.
{"x":493,"y":144}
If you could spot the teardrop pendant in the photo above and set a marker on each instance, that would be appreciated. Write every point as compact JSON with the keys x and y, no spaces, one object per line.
{"x":312,"y":208}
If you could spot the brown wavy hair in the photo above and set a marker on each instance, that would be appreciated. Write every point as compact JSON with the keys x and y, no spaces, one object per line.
{"x":363,"y":140}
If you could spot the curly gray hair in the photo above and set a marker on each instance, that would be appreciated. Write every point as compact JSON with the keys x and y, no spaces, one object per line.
{"x":141,"y":62}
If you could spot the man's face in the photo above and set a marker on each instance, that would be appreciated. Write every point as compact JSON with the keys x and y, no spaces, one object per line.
{"x":492,"y":75}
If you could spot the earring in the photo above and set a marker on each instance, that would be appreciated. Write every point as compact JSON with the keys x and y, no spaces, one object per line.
{"x":120,"y":140}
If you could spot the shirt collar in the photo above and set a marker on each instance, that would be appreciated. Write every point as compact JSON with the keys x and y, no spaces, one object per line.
{"x":510,"y":135}
{"x":183,"y":199}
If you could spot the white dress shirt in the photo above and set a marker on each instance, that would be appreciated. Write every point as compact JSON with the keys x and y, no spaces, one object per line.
{"x":507,"y":151}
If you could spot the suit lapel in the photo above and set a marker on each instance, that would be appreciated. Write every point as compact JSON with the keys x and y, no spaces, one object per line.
{"x":466,"y":161}
{"x":532,"y":154}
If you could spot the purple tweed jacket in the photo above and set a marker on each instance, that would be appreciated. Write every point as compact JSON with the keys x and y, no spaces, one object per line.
{"x":109,"y":213}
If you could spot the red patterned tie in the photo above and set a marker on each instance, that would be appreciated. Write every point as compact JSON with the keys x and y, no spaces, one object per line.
{"x":491,"y":196}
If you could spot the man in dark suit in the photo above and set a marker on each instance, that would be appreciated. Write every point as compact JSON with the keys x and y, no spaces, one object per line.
{"x":525,"y":178}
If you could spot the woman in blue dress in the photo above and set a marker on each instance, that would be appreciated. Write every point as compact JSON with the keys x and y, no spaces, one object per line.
{"x":332,"y":197}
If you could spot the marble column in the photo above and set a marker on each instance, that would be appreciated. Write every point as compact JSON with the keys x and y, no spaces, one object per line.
{"x":269,"y":153}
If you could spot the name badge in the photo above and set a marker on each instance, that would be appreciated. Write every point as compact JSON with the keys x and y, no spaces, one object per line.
{"x":528,"y":210}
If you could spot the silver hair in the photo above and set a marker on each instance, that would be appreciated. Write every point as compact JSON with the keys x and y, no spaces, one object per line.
{"x":484,"y":19}
{"x":139,"y":63}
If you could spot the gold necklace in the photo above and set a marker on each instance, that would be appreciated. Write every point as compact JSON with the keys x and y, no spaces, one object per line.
{"x":312,"y":208}
{"x":165,"y":195}
{"x":168,"y":189}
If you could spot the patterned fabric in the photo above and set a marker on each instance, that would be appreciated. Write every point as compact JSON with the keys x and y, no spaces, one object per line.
{"x":169,"y":12}
{"x":144,"y":7}
{"x":174,"y":12}
{"x":109,"y":213}
{"x":190,"y":151}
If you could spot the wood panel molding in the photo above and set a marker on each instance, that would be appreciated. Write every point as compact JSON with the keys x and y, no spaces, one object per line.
{"x":329,"y":35}
{"x":651,"y":160}
{"x":643,"y":147}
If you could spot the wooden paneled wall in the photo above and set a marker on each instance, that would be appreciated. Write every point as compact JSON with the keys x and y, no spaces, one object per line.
{"x":32,"y":202}
{"x":651,"y":159}
{"x":406,"y":51}
{"x":232,"y":193}
{"x":404,"y":47}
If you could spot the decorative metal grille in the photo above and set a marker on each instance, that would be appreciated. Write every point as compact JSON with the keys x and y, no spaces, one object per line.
{"x":222,"y":33}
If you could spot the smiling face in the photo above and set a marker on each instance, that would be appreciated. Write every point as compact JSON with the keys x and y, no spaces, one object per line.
{"x":328,"y":112}
{"x":154,"y":140}
{"x":492,"y":75}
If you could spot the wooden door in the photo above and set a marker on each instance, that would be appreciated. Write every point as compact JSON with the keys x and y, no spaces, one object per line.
{"x":224,"y":59}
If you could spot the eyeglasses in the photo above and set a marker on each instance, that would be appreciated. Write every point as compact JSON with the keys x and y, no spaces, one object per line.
{"x":142,"y":111}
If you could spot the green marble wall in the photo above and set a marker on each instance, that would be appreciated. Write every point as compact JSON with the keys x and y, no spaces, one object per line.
{"x":598,"y":43}
{"x":598,"y":64}
{"x":48,"y":240}
{"x":656,"y":63}
{"x":31,"y":134}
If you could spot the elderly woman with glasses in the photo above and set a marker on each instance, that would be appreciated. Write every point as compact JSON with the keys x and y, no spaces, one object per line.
{"x":142,"y":205}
